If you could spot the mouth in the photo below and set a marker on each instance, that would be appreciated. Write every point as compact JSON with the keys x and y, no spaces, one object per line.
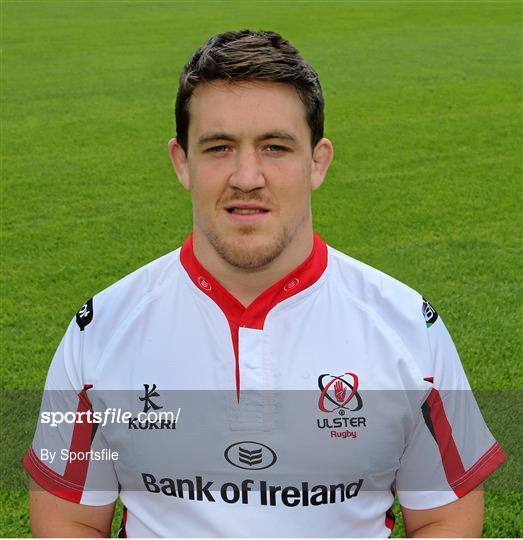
{"x":246,"y":210}
{"x":247,"y":213}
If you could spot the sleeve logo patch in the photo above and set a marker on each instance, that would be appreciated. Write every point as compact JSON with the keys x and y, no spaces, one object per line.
{"x":85,"y":315}
{"x":429,"y":313}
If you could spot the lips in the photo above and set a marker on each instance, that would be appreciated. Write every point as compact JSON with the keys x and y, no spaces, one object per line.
{"x":245,"y":209}
{"x":247,"y":213}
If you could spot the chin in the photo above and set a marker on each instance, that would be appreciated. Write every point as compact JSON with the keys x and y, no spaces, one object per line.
{"x":250,"y":251}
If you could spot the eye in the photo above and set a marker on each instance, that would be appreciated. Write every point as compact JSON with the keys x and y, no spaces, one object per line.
{"x":217,"y":149}
{"x":276,"y":148}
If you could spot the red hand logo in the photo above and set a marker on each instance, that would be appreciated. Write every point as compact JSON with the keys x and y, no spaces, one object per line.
{"x":339,"y":391}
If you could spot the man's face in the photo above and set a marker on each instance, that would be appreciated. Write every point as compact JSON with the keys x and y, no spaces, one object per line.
{"x":250,"y":168}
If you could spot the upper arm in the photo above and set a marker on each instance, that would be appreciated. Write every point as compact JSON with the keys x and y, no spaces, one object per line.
{"x":59,"y":459}
{"x":52,"y":516}
{"x":460,"y":519}
{"x":449,"y":450}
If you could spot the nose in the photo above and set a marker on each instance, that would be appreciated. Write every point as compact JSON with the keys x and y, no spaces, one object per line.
{"x":247,"y":174}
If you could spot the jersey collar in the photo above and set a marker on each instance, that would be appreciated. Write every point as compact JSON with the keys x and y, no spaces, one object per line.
{"x":253,"y":316}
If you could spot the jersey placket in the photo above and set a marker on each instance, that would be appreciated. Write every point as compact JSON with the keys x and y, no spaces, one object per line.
{"x":255,"y":408}
{"x":254,"y":403}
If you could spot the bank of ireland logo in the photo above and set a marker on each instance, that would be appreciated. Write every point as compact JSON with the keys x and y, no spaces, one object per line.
{"x":338,"y":394}
{"x":250,"y":455}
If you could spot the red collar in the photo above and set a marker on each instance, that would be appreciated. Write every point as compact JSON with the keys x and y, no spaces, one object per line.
{"x":254,"y":315}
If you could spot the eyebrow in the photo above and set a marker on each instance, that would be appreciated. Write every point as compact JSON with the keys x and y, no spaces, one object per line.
{"x":218,"y":136}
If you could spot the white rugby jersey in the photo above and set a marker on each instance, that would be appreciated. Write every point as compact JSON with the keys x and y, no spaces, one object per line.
{"x":303,"y":414}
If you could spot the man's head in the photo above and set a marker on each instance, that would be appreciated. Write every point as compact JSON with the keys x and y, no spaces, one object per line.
{"x":249,"y":56}
{"x":250,"y":146}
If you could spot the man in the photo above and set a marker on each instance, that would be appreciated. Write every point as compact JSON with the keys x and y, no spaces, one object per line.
{"x":317,"y":387}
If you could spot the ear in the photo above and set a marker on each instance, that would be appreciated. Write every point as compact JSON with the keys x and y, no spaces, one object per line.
{"x":179,"y":163}
{"x":321,"y":159}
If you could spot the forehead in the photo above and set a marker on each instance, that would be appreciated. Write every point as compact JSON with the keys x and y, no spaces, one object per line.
{"x":246,"y":108}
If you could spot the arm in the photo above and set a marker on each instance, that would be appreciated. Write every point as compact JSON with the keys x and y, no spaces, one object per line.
{"x":450,"y":452}
{"x":460,"y":519}
{"x":52,"y":516}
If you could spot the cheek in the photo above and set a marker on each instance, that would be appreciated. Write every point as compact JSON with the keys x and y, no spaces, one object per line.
{"x":206,"y":184}
{"x":292,"y":188}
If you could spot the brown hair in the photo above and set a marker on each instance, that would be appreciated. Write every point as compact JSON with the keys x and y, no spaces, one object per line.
{"x":249,"y":56}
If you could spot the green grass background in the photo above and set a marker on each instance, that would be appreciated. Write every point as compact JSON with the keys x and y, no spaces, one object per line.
{"x":424,"y":110}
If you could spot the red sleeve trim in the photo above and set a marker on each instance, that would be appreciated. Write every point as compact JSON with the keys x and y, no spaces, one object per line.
{"x":439,"y":426}
{"x":461,"y":480}
{"x":70,"y":486}
{"x":49,"y":480}
{"x":483,"y":468}
{"x":83,"y":434}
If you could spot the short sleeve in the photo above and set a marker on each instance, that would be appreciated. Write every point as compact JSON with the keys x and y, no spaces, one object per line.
{"x":451,"y":450}
{"x":68,"y":456}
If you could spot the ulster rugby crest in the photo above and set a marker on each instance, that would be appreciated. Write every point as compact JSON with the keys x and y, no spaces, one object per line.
{"x":339,"y":394}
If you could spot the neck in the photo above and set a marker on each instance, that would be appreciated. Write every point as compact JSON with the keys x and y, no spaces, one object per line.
{"x":246,"y":285}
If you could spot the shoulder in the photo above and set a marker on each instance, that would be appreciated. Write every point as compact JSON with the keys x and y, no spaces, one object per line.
{"x":102,"y":317}
{"x":113,"y":305}
{"x":389,"y":298}
{"x":397,"y":309}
